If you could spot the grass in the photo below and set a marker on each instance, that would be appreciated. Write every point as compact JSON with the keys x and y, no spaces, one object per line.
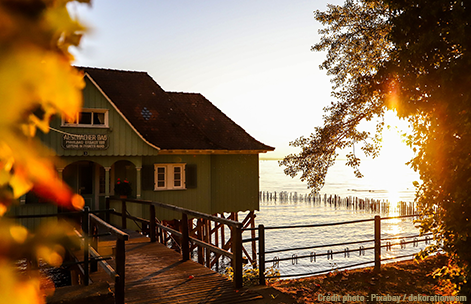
{"x":395,"y":279}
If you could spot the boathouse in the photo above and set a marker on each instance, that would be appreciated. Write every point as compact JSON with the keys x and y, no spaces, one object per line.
{"x":170,"y":147}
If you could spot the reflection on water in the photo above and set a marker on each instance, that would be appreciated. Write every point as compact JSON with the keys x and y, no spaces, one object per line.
{"x":376,"y":184}
{"x":292,"y":213}
{"x":59,"y":276}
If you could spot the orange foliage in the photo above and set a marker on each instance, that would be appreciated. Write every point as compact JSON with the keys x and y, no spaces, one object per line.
{"x":37,"y":81}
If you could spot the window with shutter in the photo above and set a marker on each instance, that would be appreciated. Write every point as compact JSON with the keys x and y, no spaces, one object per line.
{"x":169,"y":176}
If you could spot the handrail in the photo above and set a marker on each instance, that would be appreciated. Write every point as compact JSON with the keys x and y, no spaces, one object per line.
{"x":406,"y":237}
{"x":184,"y":233}
{"x":179,"y":234}
{"x":112,"y":228}
{"x":319,"y":246}
{"x":313,"y":225}
{"x":377,"y":245}
{"x":186,"y":211}
{"x":90,"y":252}
{"x":26,"y":216}
{"x":331,"y":224}
{"x":120,"y":257}
{"x":350,"y":243}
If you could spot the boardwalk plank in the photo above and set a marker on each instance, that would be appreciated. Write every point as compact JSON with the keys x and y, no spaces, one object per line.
{"x":156,"y":274}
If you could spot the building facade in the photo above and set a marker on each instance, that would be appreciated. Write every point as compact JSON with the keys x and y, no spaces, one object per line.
{"x":175,"y":148}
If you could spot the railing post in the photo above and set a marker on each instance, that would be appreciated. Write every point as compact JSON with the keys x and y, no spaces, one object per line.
{"x":261,"y":254}
{"x":119,"y":290}
{"x":94,"y":244}
{"x":120,"y":268}
{"x":377,"y":243}
{"x":152,"y":223}
{"x":236,"y":235}
{"x":86,"y":239}
{"x":199,"y":235}
{"x":185,"y":238}
{"x":123,"y":214}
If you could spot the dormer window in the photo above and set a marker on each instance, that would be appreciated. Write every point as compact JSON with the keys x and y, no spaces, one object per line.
{"x":89,"y":118}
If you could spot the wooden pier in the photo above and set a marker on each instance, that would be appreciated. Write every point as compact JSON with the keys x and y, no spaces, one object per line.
{"x":157,"y":274}
{"x":143,"y":269}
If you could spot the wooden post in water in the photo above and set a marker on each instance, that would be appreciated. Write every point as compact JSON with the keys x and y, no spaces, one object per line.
{"x":377,"y":243}
{"x":216,"y":243}
{"x":207,"y":239}
{"x":200,"y":237}
{"x":261,"y":254}
{"x":223,"y":237}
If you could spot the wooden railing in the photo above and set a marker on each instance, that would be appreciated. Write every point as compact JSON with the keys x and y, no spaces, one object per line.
{"x":90,"y":224}
{"x":184,"y":234}
{"x":91,"y":257}
{"x":376,"y":248}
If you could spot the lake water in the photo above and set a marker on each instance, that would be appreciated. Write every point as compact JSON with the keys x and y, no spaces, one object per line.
{"x":340,"y":181}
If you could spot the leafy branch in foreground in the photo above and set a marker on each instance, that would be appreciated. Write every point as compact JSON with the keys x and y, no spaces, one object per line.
{"x":412,"y":57}
{"x":36,"y":82}
{"x":355,"y":38}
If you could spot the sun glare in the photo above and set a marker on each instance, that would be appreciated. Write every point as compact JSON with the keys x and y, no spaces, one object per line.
{"x":389,"y":171}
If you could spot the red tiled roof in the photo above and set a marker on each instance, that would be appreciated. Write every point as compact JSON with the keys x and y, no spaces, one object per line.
{"x":171,"y":120}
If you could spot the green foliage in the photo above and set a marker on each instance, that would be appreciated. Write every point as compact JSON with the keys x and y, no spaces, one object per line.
{"x":412,"y":57}
{"x":355,"y":38}
{"x":251,"y":275}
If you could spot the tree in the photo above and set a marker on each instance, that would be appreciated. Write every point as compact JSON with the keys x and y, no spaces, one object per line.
{"x":36,"y":82}
{"x":412,"y":57}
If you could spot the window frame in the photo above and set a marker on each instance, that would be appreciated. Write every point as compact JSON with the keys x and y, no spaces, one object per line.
{"x":169,"y":176}
{"x":76,"y":123}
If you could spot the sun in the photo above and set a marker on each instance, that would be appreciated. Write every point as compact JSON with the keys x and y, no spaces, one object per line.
{"x":394,"y":156}
{"x":389,"y":172}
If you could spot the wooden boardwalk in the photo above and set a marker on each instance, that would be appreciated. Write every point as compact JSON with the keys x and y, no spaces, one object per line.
{"x":157,"y":274}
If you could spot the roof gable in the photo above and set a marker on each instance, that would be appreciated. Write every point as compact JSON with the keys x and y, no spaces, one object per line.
{"x":171,"y":121}
{"x":214,"y":124}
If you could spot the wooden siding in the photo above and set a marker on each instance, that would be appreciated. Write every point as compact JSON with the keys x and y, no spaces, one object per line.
{"x":198,"y":198}
{"x":33,"y":209}
{"x":234,"y":183}
{"x":225,"y":183}
{"x":123,"y":140}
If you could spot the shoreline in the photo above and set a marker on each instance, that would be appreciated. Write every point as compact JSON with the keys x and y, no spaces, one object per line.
{"x":410,"y":278}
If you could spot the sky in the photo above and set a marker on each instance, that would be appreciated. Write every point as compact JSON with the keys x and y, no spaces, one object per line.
{"x":251,"y":59}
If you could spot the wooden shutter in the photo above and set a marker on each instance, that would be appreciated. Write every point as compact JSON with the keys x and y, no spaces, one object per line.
{"x":147,"y":177}
{"x":190,"y":176}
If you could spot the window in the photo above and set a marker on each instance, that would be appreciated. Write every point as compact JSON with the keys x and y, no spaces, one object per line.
{"x":89,"y":118}
{"x":169,"y":176}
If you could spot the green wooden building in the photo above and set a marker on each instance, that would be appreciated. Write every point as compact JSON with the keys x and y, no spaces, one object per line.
{"x":176,"y":148}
